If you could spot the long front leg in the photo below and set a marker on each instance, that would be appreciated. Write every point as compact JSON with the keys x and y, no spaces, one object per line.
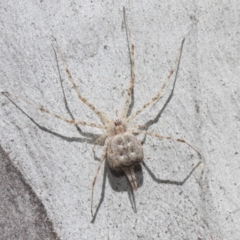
{"x":100,"y":114}
{"x":159,"y":94}
{"x":44,"y":110}
{"x":131,"y":53}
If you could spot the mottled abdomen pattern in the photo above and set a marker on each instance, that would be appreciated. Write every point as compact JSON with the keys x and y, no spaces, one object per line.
{"x":124,"y":151}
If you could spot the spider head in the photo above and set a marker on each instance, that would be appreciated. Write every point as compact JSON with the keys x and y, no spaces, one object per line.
{"x":120,"y":127}
{"x":117,"y":121}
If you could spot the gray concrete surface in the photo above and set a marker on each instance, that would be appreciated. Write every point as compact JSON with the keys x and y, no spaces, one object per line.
{"x":55,"y":159}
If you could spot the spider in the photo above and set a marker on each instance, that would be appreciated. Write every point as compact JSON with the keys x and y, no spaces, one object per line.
{"x":121,"y":148}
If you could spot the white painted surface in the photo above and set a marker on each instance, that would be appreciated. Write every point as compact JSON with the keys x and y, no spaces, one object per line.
{"x":58,"y":162}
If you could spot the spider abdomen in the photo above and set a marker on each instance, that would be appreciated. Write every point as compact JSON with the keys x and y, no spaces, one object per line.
{"x":124,"y":150}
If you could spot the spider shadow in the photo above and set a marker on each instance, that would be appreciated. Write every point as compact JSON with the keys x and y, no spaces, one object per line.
{"x":119,"y":183}
{"x":85,"y":134}
{"x":167,"y":181}
{"x":88,"y":137}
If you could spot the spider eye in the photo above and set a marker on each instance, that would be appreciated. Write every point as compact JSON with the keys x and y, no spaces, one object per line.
{"x":117,"y":121}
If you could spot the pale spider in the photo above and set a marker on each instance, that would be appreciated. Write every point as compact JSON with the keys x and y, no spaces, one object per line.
{"x":121,"y":147}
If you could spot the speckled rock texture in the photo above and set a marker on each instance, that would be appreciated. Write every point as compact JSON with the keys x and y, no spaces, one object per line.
{"x":47,"y":165}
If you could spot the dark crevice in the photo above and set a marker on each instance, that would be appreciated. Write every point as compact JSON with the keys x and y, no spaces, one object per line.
{"x":23,"y":215}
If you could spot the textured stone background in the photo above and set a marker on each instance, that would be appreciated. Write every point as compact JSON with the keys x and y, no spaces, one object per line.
{"x":47,"y":166}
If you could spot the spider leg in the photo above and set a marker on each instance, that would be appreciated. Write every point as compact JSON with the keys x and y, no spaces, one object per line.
{"x":131,"y":177}
{"x":100,"y":114}
{"x":103,"y":157}
{"x":99,"y":141}
{"x":166,"y":137}
{"x":131,"y":53}
{"x":139,"y":127}
{"x":44,"y":110}
{"x":159,"y":94}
